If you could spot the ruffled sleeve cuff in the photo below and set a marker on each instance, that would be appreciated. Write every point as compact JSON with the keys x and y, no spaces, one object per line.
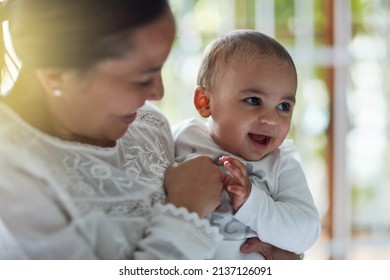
{"x":195,"y":238}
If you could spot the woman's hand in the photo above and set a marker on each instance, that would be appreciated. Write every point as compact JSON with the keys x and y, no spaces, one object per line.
{"x":195,"y":184}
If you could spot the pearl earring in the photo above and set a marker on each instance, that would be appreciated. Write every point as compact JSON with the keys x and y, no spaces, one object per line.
{"x":57,"y":92}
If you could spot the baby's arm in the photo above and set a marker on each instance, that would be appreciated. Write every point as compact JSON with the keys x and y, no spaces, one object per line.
{"x":239,"y":187}
{"x":288,"y":218}
{"x":238,"y":184}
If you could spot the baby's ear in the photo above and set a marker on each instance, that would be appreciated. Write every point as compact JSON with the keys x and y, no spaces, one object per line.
{"x":201,"y":102}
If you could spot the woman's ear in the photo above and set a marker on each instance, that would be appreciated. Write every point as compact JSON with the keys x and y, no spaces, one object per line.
{"x":51,"y":79}
{"x":201,"y":102}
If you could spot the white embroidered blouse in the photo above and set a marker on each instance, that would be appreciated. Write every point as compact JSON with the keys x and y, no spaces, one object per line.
{"x":66,"y":200}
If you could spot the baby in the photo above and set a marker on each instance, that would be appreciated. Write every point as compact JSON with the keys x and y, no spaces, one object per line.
{"x":246,"y":89}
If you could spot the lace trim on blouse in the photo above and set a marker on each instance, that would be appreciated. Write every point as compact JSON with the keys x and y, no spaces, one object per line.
{"x":183,"y":214}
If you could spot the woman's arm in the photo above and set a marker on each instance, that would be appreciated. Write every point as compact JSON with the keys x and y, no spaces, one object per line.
{"x":48,"y":225}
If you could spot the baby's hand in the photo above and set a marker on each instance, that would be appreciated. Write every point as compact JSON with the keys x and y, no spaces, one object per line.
{"x":238,"y":185}
{"x":254,"y":244}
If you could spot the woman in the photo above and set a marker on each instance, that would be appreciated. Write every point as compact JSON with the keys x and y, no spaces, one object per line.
{"x":68,"y":189}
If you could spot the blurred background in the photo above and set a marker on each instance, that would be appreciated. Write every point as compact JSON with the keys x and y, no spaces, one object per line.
{"x":341,"y":121}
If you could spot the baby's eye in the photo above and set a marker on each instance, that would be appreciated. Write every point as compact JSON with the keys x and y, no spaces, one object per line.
{"x":253,"y":100}
{"x":284,"y":106}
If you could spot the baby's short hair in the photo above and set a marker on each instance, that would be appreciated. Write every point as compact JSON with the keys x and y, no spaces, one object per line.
{"x":237,"y":44}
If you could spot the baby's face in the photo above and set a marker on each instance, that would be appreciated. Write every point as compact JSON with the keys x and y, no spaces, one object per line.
{"x":251,"y":107}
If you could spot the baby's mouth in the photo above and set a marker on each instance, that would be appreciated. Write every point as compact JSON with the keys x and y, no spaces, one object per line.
{"x":260,"y":138}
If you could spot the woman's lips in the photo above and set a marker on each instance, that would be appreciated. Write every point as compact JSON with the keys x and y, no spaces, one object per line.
{"x":128,"y":119}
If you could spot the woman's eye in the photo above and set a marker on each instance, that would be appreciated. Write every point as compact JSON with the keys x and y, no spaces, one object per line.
{"x":145,"y":83}
{"x":285,"y":107}
{"x":253,"y":100}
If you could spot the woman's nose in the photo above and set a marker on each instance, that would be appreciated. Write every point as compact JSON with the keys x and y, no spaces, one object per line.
{"x":157,"y":91}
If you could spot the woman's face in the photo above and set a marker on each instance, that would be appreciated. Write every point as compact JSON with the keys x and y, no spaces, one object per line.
{"x":98,"y":106}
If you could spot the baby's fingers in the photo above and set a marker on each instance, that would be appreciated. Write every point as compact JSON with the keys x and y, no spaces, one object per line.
{"x":236,"y":169}
{"x":238,"y":191}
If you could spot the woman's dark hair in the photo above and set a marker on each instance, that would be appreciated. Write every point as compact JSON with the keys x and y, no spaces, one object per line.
{"x":74,"y":33}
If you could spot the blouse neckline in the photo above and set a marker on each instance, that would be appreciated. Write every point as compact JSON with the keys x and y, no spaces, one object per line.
{"x":55,"y":141}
